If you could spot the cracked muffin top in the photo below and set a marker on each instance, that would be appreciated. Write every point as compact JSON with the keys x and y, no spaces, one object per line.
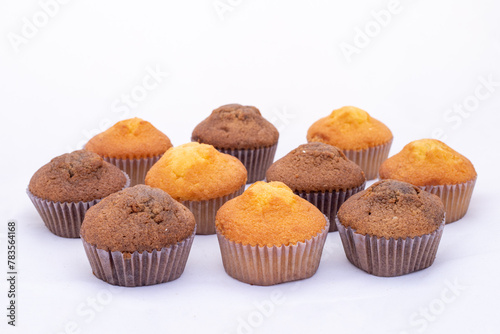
{"x":316,"y":167}
{"x":392,"y":209}
{"x":76,"y":176}
{"x":349,"y":128}
{"x":130,"y":139}
{"x":197,"y":172}
{"x":428,"y":162}
{"x":268,"y":214}
{"x":139,"y":218}
{"x":236,"y":126}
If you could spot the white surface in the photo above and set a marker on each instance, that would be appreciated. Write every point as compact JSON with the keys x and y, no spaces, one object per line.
{"x":283,"y":57}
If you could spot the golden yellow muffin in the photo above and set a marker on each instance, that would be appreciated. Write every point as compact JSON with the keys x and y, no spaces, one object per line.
{"x":200,"y":177}
{"x":196,"y":172}
{"x":133,"y":145}
{"x":349,"y":128}
{"x":363,"y":139}
{"x":269,"y":214}
{"x":130,"y":139}
{"x":269,"y":235}
{"x":428,"y":162}
{"x":435,"y":167}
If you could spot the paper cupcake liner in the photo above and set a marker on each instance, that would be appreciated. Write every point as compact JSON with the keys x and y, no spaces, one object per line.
{"x":272,"y":265}
{"x":139,"y":269}
{"x":329,"y":202}
{"x":64,"y":219}
{"x":389,"y":257}
{"x":370,"y":159}
{"x":135,"y":168}
{"x":256,"y":161}
{"x":456,"y":198}
{"x":204,"y":211}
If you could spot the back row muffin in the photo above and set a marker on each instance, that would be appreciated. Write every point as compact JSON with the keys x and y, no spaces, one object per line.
{"x":362,"y":138}
{"x":240,"y":131}
{"x":133,"y":145}
{"x":435,"y":167}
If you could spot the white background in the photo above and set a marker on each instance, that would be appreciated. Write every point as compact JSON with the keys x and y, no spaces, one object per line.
{"x":65,"y":81}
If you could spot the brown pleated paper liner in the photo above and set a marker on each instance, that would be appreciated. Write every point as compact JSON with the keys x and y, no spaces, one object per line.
{"x":370,"y":159}
{"x":456,"y":198}
{"x":204,"y":211}
{"x":389,"y":257}
{"x":135,"y":168}
{"x":64,"y":219}
{"x":256,"y":161}
{"x":139,"y":269}
{"x":272,"y":265}
{"x":329,"y":202}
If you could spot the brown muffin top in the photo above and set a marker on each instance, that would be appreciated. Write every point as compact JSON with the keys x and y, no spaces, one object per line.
{"x":316,"y":167}
{"x":392,"y":209}
{"x":77,"y":176}
{"x":132,"y":138}
{"x":268,"y":214}
{"x":139,"y":218}
{"x":428,"y":162}
{"x":349,"y":128}
{"x":236,"y":126}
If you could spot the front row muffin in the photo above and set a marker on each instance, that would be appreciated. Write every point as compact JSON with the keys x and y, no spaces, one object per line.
{"x":435,"y":167}
{"x":269,"y":235}
{"x":321,"y":174}
{"x":240,"y":131}
{"x":65,"y":188}
{"x":201,"y":178}
{"x":392,"y":228}
{"x":138,"y":236}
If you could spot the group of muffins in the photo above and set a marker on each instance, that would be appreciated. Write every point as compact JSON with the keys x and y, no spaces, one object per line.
{"x":137,"y":201}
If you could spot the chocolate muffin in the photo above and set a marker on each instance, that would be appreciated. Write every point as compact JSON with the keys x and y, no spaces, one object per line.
{"x":321,"y":174}
{"x":392,"y":228}
{"x":64,"y":189}
{"x":242,"y":132}
{"x":138,"y":236}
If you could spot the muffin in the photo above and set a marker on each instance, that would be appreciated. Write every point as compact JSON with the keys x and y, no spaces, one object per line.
{"x":240,"y":131}
{"x":133,"y":145}
{"x":201,"y":178}
{"x":392,"y":228}
{"x":321,"y":174}
{"x":435,"y":167}
{"x":362,"y":138}
{"x":269,"y":235}
{"x":65,"y":188}
{"x":138,"y":236}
